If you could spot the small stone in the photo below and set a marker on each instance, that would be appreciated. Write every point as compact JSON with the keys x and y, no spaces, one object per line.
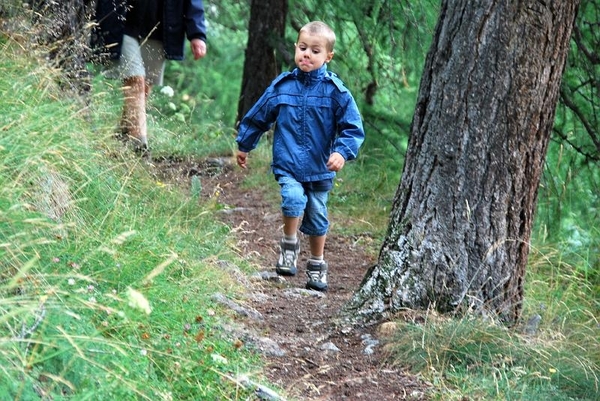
{"x":329,"y":346}
{"x":387,"y":329}
{"x":532,"y":324}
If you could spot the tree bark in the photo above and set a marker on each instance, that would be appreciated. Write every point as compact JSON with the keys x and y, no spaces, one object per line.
{"x":265,"y":31}
{"x":461,"y":220}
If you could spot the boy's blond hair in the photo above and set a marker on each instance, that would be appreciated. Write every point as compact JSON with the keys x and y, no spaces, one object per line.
{"x":321,"y":29}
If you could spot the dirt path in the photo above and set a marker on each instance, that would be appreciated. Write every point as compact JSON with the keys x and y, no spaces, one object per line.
{"x":306,"y":353}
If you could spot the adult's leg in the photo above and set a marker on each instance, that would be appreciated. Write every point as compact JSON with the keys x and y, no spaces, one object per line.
{"x":142,"y":66}
{"x":133,"y":75}
{"x":133,"y":119}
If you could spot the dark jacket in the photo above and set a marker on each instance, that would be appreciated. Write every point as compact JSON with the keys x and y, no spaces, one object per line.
{"x":182,"y":18}
{"x":316,"y":115}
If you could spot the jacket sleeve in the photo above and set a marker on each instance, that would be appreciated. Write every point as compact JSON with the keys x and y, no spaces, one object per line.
{"x":257,"y":121}
{"x":350,"y":131}
{"x":195,"y":23}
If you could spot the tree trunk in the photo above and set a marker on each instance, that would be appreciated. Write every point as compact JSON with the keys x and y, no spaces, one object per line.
{"x":458,"y":238}
{"x":265,"y":31}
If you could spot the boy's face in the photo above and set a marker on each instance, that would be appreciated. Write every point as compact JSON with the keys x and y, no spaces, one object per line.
{"x":311,"y":52}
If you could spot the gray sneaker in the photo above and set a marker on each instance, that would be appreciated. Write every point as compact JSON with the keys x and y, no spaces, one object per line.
{"x":317,"y":276}
{"x":288,"y":257}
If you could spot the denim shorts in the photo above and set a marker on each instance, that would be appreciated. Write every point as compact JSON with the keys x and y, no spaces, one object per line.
{"x":141,"y":59}
{"x":297,"y":200}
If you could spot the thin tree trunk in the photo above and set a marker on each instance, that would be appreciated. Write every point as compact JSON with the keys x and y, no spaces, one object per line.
{"x":265,"y":31}
{"x":461,"y":220}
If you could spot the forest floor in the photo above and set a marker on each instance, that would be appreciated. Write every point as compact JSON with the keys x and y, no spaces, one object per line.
{"x":307,"y":354}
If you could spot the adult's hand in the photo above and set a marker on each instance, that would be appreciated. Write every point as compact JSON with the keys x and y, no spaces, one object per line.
{"x":198,"y":48}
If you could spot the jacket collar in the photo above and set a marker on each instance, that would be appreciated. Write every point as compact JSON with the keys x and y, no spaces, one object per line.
{"x":312,"y":76}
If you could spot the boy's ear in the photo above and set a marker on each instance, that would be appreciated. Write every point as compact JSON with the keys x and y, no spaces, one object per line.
{"x":329,"y":57}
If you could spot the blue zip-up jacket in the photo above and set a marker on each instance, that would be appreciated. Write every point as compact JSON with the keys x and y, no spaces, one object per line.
{"x":181,"y":19}
{"x":315,"y":115}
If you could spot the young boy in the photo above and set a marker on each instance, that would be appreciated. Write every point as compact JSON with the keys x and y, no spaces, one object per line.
{"x":318,"y":128}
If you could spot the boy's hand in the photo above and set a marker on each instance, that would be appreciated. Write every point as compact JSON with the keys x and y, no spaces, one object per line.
{"x":241,"y":158}
{"x":335,"y":162}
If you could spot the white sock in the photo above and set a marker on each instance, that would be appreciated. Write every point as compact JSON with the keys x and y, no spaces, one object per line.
{"x":291,"y":239}
{"x":315,"y":259}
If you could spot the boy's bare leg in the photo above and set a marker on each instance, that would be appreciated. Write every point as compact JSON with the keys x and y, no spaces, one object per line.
{"x":290,"y":226}
{"x":317,"y":245}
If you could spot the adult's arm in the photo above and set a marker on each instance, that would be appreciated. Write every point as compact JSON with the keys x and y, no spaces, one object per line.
{"x":195,"y":22}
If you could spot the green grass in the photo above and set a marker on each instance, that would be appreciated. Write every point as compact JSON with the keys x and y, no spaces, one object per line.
{"x":106,"y":274}
{"x":474,"y":358}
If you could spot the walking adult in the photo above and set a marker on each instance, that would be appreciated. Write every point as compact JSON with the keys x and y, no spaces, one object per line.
{"x":138,"y":36}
